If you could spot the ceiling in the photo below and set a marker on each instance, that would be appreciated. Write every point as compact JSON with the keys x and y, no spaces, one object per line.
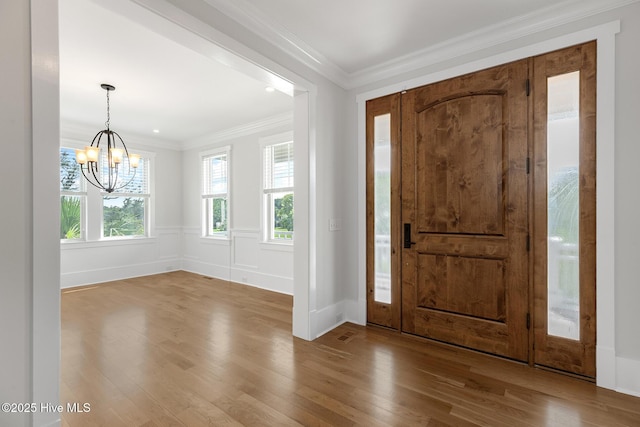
{"x":169,"y":81}
{"x":358,"y":42}
{"x":358,"y":34}
{"x":160,"y":84}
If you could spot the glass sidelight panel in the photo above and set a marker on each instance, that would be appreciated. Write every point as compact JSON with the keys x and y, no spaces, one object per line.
{"x":563,"y":209}
{"x":382,"y":208}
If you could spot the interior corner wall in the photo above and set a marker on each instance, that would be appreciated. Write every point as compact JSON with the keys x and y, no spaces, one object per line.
{"x":243,"y":258}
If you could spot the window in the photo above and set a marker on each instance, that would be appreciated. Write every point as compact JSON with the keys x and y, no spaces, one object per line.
{"x":88,"y":214}
{"x":72,"y":197}
{"x":278,"y":192}
{"x":124,"y":212}
{"x":215,"y":193}
{"x":563,"y":205}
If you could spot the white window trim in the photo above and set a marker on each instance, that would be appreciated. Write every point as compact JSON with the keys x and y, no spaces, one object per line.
{"x":93,"y":216}
{"x":203,"y":220}
{"x":266,"y":242}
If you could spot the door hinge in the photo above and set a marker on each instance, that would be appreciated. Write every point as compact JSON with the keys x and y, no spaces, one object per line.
{"x":528,"y":321}
{"x":527,"y":86}
{"x":528,"y":165}
{"x":528,"y":243}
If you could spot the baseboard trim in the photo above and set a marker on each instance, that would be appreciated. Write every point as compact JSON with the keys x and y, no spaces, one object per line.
{"x":326,"y":319}
{"x":91,"y":277}
{"x":270,"y":282}
{"x":606,"y":367}
{"x":628,"y":376}
{"x":206,"y":269}
{"x":356,"y":311}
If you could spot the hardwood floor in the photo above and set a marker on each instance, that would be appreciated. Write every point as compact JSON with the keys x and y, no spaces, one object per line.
{"x":179,"y":349}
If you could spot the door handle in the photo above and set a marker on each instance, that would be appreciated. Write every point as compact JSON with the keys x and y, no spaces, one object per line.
{"x":407,"y":236}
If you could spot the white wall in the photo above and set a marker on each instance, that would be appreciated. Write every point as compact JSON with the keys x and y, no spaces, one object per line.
{"x":627,"y":205}
{"x":243,"y":258}
{"x":336,"y":259}
{"x":627,"y":201}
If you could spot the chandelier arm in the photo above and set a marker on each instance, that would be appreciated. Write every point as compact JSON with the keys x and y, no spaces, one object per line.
{"x":88,"y":178}
{"x":128,"y":163}
{"x":95,"y":170}
{"x":97,"y":137}
{"x":110,"y":165}
{"x":115,"y":177}
{"x":128,"y":182}
{"x":121,"y":142}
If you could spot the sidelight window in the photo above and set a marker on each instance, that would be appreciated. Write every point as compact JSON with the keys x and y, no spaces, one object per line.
{"x":563,"y":195}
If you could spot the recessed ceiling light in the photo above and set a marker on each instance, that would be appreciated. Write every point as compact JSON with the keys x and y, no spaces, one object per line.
{"x":269,"y":89}
{"x":156,"y":131}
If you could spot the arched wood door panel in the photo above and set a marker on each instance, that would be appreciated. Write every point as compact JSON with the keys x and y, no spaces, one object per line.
{"x":464,"y":195}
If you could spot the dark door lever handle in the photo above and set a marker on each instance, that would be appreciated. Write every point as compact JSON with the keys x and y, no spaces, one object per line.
{"x":407,"y":236}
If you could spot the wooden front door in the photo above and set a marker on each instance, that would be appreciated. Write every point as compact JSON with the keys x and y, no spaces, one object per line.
{"x":464,"y":211}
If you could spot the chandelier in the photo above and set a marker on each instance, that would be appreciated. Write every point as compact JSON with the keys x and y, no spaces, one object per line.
{"x":110,"y":177}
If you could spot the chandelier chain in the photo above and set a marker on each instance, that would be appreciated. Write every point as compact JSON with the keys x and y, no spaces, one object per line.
{"x":108,"y":112}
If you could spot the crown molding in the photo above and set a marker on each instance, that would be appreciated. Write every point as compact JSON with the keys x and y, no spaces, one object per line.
{"x":83,"y":134}
{"x":243,"y":12}
{"x":521,"y":26}
{"x":285,"y":119}
{"x":247,"y":15}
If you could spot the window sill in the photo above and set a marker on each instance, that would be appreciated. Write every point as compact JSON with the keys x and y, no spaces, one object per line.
{"x":209,"y":240}
{"x":276,"y":246}
{"x":104,"y":243}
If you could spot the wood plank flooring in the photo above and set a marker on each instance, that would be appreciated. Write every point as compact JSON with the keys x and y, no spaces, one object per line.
{"x":179,"y":349}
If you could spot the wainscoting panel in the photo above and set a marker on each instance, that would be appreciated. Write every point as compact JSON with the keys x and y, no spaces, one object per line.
{"x":243,"y":258}
{"x":246,"y":249}
{"x":85,"y":263}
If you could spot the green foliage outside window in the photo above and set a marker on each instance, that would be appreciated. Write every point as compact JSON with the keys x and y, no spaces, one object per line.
{"x":70,"y":208}
{"x":283,"y":218}
{"x":69,"y":217}
{"x":123,"y":216}
{"x":219,"y":222}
